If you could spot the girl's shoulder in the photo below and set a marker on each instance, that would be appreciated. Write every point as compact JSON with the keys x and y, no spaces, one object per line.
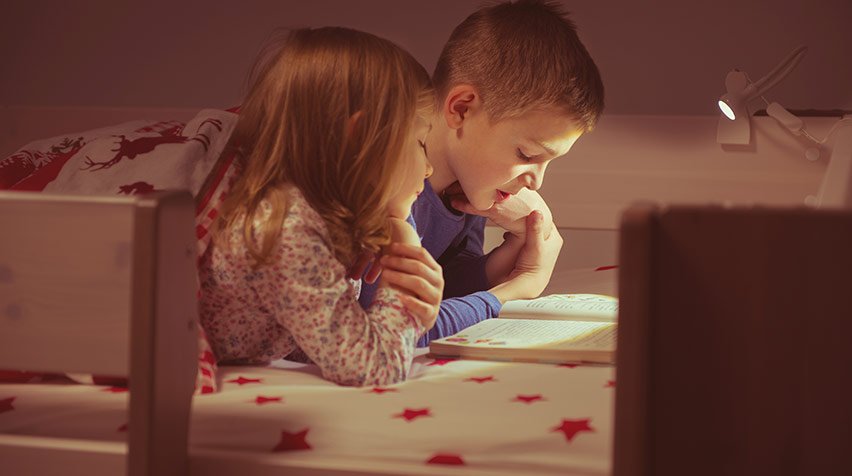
{"x":300,"y":222}
{"x":300,"y":213}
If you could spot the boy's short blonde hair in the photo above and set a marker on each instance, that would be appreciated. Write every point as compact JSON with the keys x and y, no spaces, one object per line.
{"x":522,"y":56}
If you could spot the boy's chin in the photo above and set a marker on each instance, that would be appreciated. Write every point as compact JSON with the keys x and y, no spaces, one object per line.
{"x":484,"y":202}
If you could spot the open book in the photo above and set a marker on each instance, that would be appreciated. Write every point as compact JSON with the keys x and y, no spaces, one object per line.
{"x":557,"y":328}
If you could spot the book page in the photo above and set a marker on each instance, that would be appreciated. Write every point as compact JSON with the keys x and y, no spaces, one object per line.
{"x":526,"y":333}
{"x":589,"y":307}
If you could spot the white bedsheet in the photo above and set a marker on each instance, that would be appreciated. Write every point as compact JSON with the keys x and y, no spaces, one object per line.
{"x":494,"y":418}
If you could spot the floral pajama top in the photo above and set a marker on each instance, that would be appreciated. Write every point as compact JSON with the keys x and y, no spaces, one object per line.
{"x":302,"y":300}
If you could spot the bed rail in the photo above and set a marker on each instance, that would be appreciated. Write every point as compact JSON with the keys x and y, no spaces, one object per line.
{"x":103,"y":285}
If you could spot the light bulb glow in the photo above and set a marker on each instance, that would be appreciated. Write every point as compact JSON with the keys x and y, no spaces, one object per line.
{"x":726,"y":110}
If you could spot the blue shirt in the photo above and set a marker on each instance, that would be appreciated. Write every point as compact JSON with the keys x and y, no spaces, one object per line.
{"x":455,"y":241}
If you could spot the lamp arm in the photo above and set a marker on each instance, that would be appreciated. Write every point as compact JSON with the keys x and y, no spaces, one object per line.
{"x":779,"y":72}
{"x":836,"y":187}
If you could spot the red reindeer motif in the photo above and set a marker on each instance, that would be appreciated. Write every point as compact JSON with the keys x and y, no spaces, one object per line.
{"x":33,"y":170}
{"x":130,"y":149}
{"x":136,"y":188}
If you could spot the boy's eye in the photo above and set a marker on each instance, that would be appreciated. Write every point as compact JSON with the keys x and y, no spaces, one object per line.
{"x":522,"y":156}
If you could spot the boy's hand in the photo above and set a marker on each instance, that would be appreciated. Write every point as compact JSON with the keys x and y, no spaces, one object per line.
{"x":510,"y":214}
{"x":534,"y":264}
{"x":408,"y":267}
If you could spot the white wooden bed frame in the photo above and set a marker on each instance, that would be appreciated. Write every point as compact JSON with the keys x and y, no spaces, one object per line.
{"x":109,"y":284}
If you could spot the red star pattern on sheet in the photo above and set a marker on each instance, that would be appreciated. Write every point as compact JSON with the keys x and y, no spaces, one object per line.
{"x":604,"y":268}
{"x":122,"y":428}
{"x":293,"y":441}
{"x":381,"y":390}
{"x":570,"y":428}
{"x":489,"y":378}
{"x":115,"y":389}
{"x":242,"y":380}
{"x":208,"y":357}
{"x":570,"y":366}
{"x":6,"y":404}
{"x":445,"y":458}
{"x":440,"y":362}
{"x":260,"y":400}
{"x":528,"y":398}
{"x":410,"y":414}
{"x":609,"y":384}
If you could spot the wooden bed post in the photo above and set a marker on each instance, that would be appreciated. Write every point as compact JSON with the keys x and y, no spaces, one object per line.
{"x":734,"y":352}
{"x":163,"y":349}
{"x":632,"y":356}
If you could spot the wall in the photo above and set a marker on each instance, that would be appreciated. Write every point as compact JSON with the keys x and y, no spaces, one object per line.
{"x":77,"y":65}
{"x":660,"y":57}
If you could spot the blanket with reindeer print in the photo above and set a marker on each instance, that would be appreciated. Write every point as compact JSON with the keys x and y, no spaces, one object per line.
{"x":134,"y":158}
{"x":131,"y":158}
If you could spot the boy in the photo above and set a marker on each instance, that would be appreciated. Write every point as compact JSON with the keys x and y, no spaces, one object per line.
{"x":515,"y":89}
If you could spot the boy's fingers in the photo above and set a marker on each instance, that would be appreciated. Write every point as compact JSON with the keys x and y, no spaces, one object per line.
{"x":535,"y":224}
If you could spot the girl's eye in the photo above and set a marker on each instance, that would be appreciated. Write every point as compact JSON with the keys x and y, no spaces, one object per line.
{"x":423,"y":146}
{"x":522,"y":156}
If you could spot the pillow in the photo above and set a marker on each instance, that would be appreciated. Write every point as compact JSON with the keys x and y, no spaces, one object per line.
{"x":130,"y":159}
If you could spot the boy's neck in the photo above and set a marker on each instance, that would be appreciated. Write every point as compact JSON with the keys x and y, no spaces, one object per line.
{"x":438,"y":152}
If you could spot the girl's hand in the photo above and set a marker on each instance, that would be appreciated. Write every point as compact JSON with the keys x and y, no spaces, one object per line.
{"x":401,"y":232}
{"x":408,"y":267}
{"x":365,"y":259}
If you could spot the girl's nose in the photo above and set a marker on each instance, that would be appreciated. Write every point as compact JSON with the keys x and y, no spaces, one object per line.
{"x":429,"y":169}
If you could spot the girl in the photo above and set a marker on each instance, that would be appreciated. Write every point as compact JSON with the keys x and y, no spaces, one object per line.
{"x":330,"y":150}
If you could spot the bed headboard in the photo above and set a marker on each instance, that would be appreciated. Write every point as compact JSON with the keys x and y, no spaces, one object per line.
{"x":107,"y":285}
{"x":733,"y":341}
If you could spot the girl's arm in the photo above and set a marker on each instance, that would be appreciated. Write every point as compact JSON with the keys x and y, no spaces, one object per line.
{"x":411,"y":269}
{"x":318,"y":306}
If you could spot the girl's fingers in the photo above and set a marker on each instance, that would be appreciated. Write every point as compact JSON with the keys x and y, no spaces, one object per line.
{"x":360,"y":265}
{"x":425,"y":314}
{"x":374,"y":272}
{"x":412,"y":266}
{"x":413,"y":285}
{"x":415,"y":252}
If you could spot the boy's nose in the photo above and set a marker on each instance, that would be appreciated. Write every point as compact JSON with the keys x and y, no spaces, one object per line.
{"x":533,"y":179}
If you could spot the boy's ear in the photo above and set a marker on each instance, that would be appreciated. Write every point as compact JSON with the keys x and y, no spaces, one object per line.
{"x":461,"y":101}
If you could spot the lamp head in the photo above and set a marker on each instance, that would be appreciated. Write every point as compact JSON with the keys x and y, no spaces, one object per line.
{"x":734,"y":103}
{"x":727,"y":110}
{"x":734,"y":126}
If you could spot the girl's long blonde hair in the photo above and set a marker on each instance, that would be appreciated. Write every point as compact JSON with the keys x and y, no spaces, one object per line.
{"x":329,"y":111}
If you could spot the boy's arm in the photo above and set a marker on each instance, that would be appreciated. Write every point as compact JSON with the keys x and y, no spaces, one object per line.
{"x":517,"y":268}
{"x":534,"y":264}
{"x":459,"y":313}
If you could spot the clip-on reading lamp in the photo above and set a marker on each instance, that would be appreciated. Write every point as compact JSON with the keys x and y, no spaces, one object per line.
{"x":735,"y":128}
